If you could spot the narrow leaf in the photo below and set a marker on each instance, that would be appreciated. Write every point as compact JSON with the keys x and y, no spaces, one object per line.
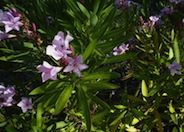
{"x":119,"y":58}
{"x":100,"y":75}
{"x":63,"y":98}
{"x":118,"y":118}
{"x":176,"y":50}
{"x":99,"y":101}
{"x":144,"y":89}
{"x":85,"y":108}
{"x":90,"y":49}
{"x":83,"y":9}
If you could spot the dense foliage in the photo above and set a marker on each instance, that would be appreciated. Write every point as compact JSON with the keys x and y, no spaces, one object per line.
{"x":91,"y":65}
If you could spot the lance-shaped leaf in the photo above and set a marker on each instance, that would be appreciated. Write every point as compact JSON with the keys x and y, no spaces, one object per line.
{"x":119,"y":58}
{"x":176,"y":50}
{"x":100,"y":75}
{"x":90,"y":49}
{"x":63,"y":98}
{"x":95,"y":86}
{"x":39,"y":113}
{"x":47,"y":87}
{"x":99,"y":101}
{"x":85,"y":108}
{"x":83,"y":9}
{"x":144,"y":89}
{"x":118,"y":118}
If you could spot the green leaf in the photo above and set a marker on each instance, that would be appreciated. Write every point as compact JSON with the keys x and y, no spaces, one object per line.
{"x":94,"y":86}
{"x":63,"y":98}
{"x":100,"y":75}
{"x":10,"y":129}
{"x":99,"y":117}
{"x":39,"y":113}
{"x":144,"y":89}
{"x":41,"y":31}
{"x":47,"y":87}
{"x":85,"y":108}
{"x":74,"y":8}
{"x":83,"y":9}
{"x":118,"y":118}
{"x":5,"y":50}
{"x":176,"y":50}
{"x":119,"y":58}
{"x":99,"y":101}
{"x":96,"y":6}
{"x":153,"y":91}
{"x":93,"y":19}
{"x":171,"y":54}
{"x":19,"y":58}
{"x":29,"y":45}
{"x":121,"y":107}
{"x":90,"y":49}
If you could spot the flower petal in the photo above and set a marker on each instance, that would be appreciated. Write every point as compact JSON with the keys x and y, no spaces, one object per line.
{"x":50,"y":50}
{"x":68,"y":68}
{"x":45,"y":76}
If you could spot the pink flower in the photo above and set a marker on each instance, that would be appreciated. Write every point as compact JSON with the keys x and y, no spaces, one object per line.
{"x":48,"y":71}
{"x":166,"y":10}
{"x":175,"y":68}
{"x":12,"y":23}
{"x":25,"y":104}
{"x":175,"y":1}
{"x":59,"y":47}
{"x":57,"y":52}
{"x":14,"y":12}
{"x":120,"y":49}
{"x":60,"y":40}
{"x":3,"y":16}
{"x":75,"y":65}
{"x":5,"y":36}
{"x":6,"y":96}
{"x":154,"y":19}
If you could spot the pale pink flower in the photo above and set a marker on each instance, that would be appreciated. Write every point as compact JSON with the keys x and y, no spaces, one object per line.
{"x":25,"y":104}
{"x":12,"y":23}
{"x":75,"y":65}
{"x":120,"y":49}
{"x":5,"y":35}
{"x":6,"y":96}
{"x":57,"y":52}
{"x":48,"y":71}
{"x":3,"y":16}
{"x":61,"y":40}
{"x":175,"y":68}
{"x":154,"y":19}
{"x":176,"y":1}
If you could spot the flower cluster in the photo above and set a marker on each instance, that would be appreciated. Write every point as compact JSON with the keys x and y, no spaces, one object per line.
{"x":6,"y":96}
{"x":61,"y":51}
{"x":6,"y":99}
{"x":175,"y":68}
{"x":11,"y":21}
{"x":120,"y":49}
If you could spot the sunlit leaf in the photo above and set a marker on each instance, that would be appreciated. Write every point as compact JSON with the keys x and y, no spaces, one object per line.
{"x":63,"y":98}
{"x":118,"y":118}
{"x":144,"y":88}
